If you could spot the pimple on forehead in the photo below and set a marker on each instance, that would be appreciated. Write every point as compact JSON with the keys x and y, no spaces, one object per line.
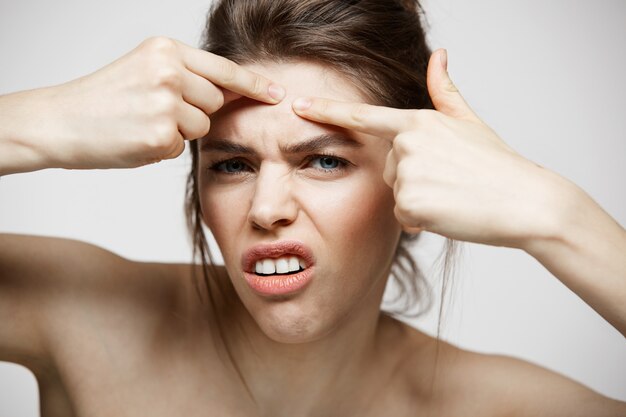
{"x":246,"y":118}
{"x":308,"y":79}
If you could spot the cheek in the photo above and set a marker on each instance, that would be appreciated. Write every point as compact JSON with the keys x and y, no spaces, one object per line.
{"x":356,"y":222}
{"x":224,"y":210}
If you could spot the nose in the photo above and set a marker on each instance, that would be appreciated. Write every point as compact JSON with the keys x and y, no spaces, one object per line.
{"x":272,"y":203}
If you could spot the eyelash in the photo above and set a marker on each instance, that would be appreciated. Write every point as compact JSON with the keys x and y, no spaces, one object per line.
{"x":343,"y":164}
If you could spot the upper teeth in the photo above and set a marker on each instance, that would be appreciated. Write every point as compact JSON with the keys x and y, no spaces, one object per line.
{"x":279,"y":266}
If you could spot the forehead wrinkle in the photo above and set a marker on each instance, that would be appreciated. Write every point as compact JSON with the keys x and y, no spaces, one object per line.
{"x":309,"y":145}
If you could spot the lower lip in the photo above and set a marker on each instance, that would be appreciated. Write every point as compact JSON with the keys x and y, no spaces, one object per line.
{"x":279,"y":284}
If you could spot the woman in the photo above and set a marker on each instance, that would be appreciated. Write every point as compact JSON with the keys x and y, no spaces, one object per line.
{"x":307,"y":182}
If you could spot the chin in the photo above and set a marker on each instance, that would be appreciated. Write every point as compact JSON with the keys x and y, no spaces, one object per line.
{"x":289,"y":323}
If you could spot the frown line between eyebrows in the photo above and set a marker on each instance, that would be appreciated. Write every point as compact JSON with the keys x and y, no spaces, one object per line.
{"x":309,"y":145}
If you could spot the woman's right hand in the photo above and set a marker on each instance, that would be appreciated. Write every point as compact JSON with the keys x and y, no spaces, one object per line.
{"x":139,"y":109}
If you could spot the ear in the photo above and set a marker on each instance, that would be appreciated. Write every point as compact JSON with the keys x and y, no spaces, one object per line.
{"x":442,"y":90}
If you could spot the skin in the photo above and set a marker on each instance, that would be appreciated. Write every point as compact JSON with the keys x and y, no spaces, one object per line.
{"x":146,"y":104}
{"x":334,"y":323}
{"x":108,"y":336}
{"x":441,"y":169}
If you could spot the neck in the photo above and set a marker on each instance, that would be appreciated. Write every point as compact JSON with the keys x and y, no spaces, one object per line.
{"x":317,"y":377}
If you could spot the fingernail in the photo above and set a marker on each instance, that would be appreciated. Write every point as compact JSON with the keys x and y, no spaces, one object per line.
{"x":276,"y":92}
{"x":444,"y":59}
{"x":301,"y":104}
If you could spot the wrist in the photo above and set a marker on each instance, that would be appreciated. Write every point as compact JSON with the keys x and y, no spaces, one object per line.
{"x":557,"y":214}
{"x":25,"y":122}
{"x":569,"y":213}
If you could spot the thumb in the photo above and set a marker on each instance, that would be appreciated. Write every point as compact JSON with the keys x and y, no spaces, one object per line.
{"x":442,"y":90}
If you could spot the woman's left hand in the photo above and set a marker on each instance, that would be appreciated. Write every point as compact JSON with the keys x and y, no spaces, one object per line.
{"x":451,"y":174}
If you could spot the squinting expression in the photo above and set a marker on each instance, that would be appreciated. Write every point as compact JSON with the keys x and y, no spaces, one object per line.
{"x":267,"y":175}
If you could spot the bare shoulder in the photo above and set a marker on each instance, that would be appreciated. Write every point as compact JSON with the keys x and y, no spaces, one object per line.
{"x":75,"y":271}
{"x":453,"y":381}
{"x":61,"y":293}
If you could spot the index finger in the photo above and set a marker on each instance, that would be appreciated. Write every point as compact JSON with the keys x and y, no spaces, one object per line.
{"x":231,"y":76}
{"x":366,"y":118}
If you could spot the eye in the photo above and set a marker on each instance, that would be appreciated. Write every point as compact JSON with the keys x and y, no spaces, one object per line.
{"x":229,"y":166}
{"x":327,"y":163}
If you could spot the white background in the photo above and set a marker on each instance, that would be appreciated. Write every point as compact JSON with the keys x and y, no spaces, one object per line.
{"x":547,"y":76}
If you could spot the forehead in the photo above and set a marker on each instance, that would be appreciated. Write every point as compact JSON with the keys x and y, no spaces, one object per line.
{"x":249,"y":118}
{"x":307,"y":78}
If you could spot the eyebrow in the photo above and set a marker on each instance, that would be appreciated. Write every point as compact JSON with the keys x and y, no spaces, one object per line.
{"x":310,"y":145}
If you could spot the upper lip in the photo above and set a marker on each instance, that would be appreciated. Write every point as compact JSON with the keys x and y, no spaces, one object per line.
{"x":275,"y":250}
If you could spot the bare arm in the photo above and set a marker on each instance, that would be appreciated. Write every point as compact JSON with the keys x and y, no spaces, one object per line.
{"x":38,"y":275}
{"x":55,"y":292}
{"x":586,"y":250}
{"x":138,"y":110}
{"x":24,"y":119}
{"x":485,"y":192}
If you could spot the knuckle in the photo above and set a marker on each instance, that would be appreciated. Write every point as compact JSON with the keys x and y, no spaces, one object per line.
{"x":403,"y":170}
{"x":168,"y":77}
{"x":411,"y":219}
{"x":163,"y":136}
{"x":161,"y":44}
{"x":213,"y":104}
{"x":178,"y":150}
{"x":322,"y":106}
{"x":217,"y":102}
{"x":166,"y":105}
{"x":402,"y":144}
{"x":359,"y":114}
{"x":198,"y":129}
{"x":418,"y":117}
{"x":228,"y":71}
{"x":258,"y":86}
{"x":405,"y":202}
{"x":204,"y":130}
{"x":402,"y":208}
{"x":388,"y":177}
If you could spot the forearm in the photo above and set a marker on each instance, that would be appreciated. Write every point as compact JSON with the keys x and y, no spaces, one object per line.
{"x":587,"y":252}
{"x":25,"y":118}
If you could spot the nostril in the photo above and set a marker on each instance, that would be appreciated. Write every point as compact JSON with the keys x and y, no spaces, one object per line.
{"x":282,"y":222}
{"x":258,"y":225}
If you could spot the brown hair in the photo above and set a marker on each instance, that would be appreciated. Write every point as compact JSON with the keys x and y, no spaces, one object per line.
{"x":379,"y":45}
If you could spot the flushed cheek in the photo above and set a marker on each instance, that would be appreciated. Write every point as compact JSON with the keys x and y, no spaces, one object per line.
{"x":357,"y":225}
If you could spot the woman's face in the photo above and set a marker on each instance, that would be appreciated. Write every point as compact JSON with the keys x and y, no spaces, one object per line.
{"x":330,"y":197}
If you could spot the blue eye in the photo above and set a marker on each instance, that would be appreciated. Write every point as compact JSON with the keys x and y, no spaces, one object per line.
{"x":231,"y":166}
{"x":327,"y":162}
{"x":324,"y":163}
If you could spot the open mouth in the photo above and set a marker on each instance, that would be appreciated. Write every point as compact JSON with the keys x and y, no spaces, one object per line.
{"x":285,"y":265}
{"x":278,"y":268}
